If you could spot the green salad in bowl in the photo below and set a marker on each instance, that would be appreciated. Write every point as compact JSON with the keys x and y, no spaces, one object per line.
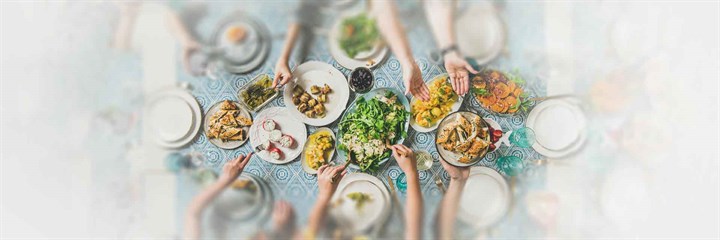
{"x":372,"y":120}
{"x":358,"y":34}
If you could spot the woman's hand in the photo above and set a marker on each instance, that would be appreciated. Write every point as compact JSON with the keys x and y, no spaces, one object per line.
{"x":233,"y":168}
{"x":414,"y":84}
{"x":458,"y":69}
{"x":405,"y":158}
{"x":328,"y":179}
{"x":456,"y":173}
{"x":282,"y":73}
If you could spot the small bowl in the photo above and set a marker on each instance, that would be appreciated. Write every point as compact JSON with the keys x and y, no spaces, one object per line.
{"x":357,"y":70}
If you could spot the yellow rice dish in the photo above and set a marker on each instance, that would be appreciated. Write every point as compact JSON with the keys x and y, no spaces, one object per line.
{"x":442,"y":97}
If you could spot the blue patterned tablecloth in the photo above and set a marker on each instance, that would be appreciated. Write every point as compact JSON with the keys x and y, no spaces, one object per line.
{"x":291,"y":183}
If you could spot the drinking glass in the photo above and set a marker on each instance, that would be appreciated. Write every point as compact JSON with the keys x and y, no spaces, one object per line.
{"x":523,"y":137}
{"x":511,"y":165}
{"x":424,"y":160}
{"x":401,"y":182}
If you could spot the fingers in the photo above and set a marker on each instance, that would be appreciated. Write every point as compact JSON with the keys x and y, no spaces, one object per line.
{"x":470,"y":68}
{"x":463,"y":82}
{"x":425,"y":91}
{"x":276,"y":79}
{"x":321,"y":169}
{"x":245,"y":160}
{"x":453,"y":82}
{"x":335,"y":170}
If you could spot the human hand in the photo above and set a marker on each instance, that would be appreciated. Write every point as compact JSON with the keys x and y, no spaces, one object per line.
{"x":414,"y":84}
{"x":405,"y":158}
{"x":233,"y":168}
{"x":283,"y":217}
{"x":456,"y":173}
{"x":328,"y":179}
{"x":188,"y":49}
{"x":282,"y":73}
{"x":457,"y":68}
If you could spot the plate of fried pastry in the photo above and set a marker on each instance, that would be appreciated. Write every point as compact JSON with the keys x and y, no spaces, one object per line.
{"x":227,"y":124}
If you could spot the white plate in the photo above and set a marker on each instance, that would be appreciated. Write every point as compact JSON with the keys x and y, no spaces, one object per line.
{"x":217,"y":142}
{"x":485,"y":198}
{"x":559,"y":127}
{"x":285,"y":123}
{"x":454,"y":108}
{"x":240,"y":204}
{"x":172,"y":118}
{"x":304,"y":164}
{"x":480,"y":33}
{"x":319,"y":73}
{"x":175,"y":116}
{"x":372,"y":212}
{"x":366,"y":59}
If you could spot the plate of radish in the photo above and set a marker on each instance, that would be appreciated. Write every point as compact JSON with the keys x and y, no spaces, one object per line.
{"x":276,"y":136}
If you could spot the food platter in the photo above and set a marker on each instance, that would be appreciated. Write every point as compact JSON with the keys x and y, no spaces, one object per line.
{"x":231,"y":144}
{"x":498,"y":92}
{"x":376,"y":93}
{"x":456,"y":157}
{"x":485,"y":198}
{"x":329,"y":154}
{"x":284,"y":122}
{"x":559,"y":127}
{"x":316,"y":73}
{"x":246,"y":54}
{"x":453,"y":108}
{"x":175,"y":117}
{"x":363,"y":218}
{"x":369,"y":59}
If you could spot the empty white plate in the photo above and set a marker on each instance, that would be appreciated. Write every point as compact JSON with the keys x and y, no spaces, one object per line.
{"x":485,"y":198}
{"x":480,"y":33}
{"x":174,"y":117}
{"x":559,"y":127}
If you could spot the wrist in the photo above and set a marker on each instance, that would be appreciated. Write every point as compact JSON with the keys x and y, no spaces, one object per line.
{"x":324,"y":198}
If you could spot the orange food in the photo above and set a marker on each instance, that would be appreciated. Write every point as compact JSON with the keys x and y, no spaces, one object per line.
{"x":501,"y":90}
{"x":235,"y":34}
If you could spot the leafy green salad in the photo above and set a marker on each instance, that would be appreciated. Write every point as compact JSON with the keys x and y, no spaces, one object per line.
{"x":365,"y":130}
{"x":359,"y":34}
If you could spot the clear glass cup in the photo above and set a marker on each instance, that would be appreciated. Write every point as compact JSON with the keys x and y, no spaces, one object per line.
{"x":424,"y":160}
{"x":523,"y":137}
{"x":511,"y":165}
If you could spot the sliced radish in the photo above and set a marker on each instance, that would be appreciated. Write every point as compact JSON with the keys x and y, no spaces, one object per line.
{"x":286,"y":141}
{"x":275,"y":153}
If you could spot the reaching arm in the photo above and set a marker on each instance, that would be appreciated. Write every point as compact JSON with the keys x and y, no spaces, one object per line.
{"x":394,"y":35}
{"x":328,"y":179}
{"x":451,"y":200}
{"x":231,"y":171}
{"x":414,"y":209}
{"x":440,"y":16}
{"x":282,"y":70}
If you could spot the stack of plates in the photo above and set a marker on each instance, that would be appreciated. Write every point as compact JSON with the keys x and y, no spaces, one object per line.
{"x":559,"y":126}
{"x":485,"y":199}
{"x":251,"y":52}
{"x":252,"y":203}
{"x":174,"y":116}
{"x":371,"y":214}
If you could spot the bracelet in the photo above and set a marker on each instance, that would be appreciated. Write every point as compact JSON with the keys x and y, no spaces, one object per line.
{"x":448,"y":49}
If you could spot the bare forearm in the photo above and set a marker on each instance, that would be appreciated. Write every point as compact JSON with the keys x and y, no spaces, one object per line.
{"x":290,"y":38}
{"x":317,"y":214}
{"x":178,"y":29}
{"x":449,"y":208}
{"x":440,"y":17}
{"x":392,"y":30}
{"x":414,"y":211}
{"x":198,"y":205}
